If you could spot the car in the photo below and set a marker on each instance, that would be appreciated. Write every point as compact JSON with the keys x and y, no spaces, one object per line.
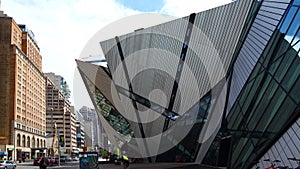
{"x":103,"y":160}
{"x":52,"y":160}
{"x":7,"y":164}
{"x":36,"y":161}
{"x":68,"y":158}
{"x":62,"y":158}
{"x":75,"y":158}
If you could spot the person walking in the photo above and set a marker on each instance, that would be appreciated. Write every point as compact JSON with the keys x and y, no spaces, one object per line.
{"x":44,"y":162}
{"x":125,"y":162}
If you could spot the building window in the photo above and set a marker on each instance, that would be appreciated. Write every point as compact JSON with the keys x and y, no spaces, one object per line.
{"x":18,"y":140}
{"x":28,"y":141}
{"x":33,"y":142}
{"x":37,"y":143}
{"x":23,"y":140}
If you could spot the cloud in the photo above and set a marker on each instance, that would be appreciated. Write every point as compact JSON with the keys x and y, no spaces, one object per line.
{"x":62,"y":28}
{"x":180,"y":8}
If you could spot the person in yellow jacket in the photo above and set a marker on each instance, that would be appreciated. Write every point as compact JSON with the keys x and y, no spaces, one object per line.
{"x":125,"y":162}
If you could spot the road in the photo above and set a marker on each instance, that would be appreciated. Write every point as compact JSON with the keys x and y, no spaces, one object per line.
{"x":75,"y":165}
{"x":66,"y":165}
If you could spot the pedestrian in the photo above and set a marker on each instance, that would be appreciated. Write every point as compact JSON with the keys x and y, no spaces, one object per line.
{"x":44,"y":162}
{"x":125,"y":162}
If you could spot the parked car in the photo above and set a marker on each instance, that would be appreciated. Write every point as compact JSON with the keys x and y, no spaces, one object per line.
{"x":7,"y":164}
{"x":52,"y":160}
{"x":36,"y":161}
{"x":68,"y":158}
{"x":75,"y":158}
{"x":103,"y":160}
{"x":62,"y":158}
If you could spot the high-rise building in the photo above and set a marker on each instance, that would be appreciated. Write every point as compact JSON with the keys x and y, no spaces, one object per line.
{"x":80,"y":129}
{"x":93,"y":128}
{"x":59,"y":83}
{"x":59,"y":113}
{"x":220,"y":87}
{"x":22,"y":88}
{"x":90,"y":121}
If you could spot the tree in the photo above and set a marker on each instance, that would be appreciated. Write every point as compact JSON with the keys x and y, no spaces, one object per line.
{"x":65,"y":90}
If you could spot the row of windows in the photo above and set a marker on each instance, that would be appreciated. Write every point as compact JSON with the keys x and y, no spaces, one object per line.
{"x":30,"y":142}
{"x":30,"y":126}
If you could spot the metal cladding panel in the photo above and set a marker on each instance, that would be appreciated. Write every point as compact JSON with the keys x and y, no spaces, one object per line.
{"x":151,"y":57}
{"x":214,"y":37}
{"x":111,"y":54}
{"x":100,"y":78}
{"x":153,"y":121}
{"x":260,"y":32}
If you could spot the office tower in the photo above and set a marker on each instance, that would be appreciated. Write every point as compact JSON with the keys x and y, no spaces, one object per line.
{"x":22,"y":88}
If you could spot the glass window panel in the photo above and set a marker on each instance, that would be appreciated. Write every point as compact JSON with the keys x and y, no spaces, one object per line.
{"x":232,"y":116}
{"x":288,"y":19}
{"x":244,"y":95}
{"x":237,"y":151}
{"x":238,"y":120}
{"x":252,"y":92}
{"x":284,"y":1}
{"x":296,"y":2}
{"x":294,"y":27}
{"x":282,"y":115}
{"x":292,"y":75}
{"x":295,"y":91}
{"x":285,"y":64}
{"x":275,"y":65}
{"x":271,"y":110}
{"x":256,"y":71}
{"x":261,"y":104}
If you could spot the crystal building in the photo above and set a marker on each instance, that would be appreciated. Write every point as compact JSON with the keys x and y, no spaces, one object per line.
{"x":219,"y":87}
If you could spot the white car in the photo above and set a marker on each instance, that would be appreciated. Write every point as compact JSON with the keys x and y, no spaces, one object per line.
{"x":7,"y":164}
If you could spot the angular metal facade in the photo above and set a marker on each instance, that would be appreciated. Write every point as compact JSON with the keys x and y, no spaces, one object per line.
{"x":226,"y":78}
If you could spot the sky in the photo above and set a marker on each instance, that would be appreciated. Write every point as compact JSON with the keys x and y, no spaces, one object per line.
{"x":63,"y":27}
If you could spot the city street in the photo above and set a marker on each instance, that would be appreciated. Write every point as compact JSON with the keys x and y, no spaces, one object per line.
{"x":29,"y":165}
{"x":75,"y":165}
